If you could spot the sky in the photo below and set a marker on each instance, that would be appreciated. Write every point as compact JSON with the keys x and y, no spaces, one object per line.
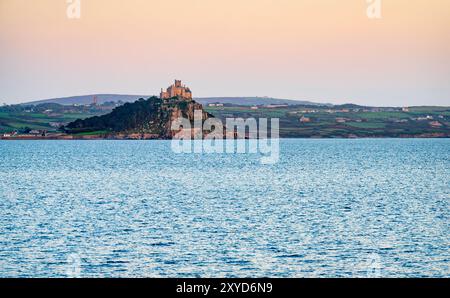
{"x":319,"y":50}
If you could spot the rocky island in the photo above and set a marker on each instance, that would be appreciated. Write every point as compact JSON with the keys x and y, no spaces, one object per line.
{"x":144,"y":119}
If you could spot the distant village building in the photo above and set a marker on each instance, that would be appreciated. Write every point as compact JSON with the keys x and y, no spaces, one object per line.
{"x":435,"y":124}
{"x":309,"y":111}
{"x":341,"y":120}
{"x":275,"y":106}
{"x":177,"y":90}
{"x":401,"y":121}
{"x":56,"y":124}
{"x":405,"y":109}
{"x":305,"y":119}
{"x":428,"y":117}
{"x":254,"y":108}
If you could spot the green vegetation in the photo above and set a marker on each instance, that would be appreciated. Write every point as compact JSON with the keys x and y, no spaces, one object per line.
{"x":366,"y":124}
{"x":45,"y":117}
{"x":135,"y":116}
{"x":92,"y":133}
{"x":151,"y":115}
{"x":355,"y":121}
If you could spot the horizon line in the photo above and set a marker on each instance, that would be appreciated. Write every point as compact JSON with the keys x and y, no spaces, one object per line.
{"x":204,"y":97}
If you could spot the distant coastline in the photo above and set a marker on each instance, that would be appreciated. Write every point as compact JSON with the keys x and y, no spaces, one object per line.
{"x":114,"y":117}
{"x":66,"y":137}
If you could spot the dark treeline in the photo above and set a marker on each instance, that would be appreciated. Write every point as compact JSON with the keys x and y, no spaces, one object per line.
{"x":129,"y":116}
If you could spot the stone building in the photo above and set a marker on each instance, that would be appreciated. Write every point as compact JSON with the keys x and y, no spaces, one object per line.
{"x":177,"y":90}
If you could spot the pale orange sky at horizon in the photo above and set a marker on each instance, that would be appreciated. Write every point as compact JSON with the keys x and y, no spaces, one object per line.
{"x":319,"y":50}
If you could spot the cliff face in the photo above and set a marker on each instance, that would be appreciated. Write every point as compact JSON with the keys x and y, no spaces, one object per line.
{"x":181,"y":110}
{"x":151,"y":118}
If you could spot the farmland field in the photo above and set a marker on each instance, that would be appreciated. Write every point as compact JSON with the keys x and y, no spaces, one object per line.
{"x":321,"y":122}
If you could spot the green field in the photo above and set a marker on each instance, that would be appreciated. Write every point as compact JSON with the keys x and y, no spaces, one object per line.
{"x":91,"y":133}
{"x":355,"y":123}
{"x":35,"y":121}
{"x":368,"y":125}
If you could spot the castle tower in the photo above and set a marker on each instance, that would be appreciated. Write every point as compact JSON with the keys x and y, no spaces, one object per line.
{"x":177,"y":90}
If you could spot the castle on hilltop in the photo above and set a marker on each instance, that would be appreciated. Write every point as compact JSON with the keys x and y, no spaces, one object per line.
{"x":177,"y":90}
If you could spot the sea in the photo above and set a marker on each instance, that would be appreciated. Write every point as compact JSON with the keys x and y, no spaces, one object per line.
{"x":326,"y":208}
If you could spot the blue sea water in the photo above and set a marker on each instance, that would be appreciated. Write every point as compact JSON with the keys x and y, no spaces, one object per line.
{"x":328,"y":208}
